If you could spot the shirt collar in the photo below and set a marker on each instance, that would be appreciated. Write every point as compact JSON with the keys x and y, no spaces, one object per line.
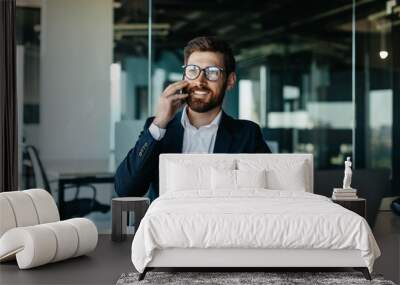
{"x":186,"y":123}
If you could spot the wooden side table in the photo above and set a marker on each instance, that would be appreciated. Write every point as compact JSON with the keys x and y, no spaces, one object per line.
{"x":120,"y":207}
{"x":358,"y":206}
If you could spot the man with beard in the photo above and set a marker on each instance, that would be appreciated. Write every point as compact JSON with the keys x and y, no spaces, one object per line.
{"x":201,"y":127}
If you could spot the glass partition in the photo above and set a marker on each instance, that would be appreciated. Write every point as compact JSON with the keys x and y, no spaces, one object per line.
{"x":376,"y":70}
{"x":314,"y":79}
{"x":131,"y":54}
{"x":65,"y":103}
{"x":377,"y":66}
{"x":321,"y":79}
{"x":294,"y":69}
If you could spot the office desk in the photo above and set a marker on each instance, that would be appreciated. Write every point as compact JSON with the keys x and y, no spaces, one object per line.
{"x":79,"y":179}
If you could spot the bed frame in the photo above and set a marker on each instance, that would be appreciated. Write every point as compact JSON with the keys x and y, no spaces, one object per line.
{"x":242,"y":259}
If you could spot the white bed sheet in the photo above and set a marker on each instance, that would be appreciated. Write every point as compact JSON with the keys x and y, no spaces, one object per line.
{"x":252,"y":218}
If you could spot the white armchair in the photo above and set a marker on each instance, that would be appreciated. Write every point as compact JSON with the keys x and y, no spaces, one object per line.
{"x":31,"y":231}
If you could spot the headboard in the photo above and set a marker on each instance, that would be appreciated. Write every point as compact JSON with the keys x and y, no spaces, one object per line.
{"x":276,"y":161}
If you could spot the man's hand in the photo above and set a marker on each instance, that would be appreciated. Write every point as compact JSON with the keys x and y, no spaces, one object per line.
{"x":169,"y":103}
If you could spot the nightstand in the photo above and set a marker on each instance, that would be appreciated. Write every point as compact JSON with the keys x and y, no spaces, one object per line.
{"x":358,"y":206}
{"x":120,"y":207}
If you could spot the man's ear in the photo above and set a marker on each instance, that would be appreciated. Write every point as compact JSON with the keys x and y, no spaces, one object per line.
{"x":231,"y":80}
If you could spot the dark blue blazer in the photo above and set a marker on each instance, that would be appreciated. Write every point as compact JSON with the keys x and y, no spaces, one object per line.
{"x":139,"y":170}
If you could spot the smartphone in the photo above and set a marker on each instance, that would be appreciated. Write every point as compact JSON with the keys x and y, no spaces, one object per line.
{"x":183,"y":90}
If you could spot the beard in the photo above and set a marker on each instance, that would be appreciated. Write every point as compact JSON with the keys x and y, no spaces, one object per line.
{"x":199,"y":105}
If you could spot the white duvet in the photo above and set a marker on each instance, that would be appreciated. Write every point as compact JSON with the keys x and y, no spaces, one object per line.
{"x":250,"y":218}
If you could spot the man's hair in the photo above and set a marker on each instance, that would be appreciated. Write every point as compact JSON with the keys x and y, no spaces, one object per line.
{"x":212,"y":44}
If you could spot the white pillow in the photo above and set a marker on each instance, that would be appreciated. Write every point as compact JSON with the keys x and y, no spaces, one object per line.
{"x":185,"y":175}
{"x":293,"y":179}
{"x":251,"y":178}
{"x":289,"y":175}
{"x":237,"y":179}
{"x":223,"y":179}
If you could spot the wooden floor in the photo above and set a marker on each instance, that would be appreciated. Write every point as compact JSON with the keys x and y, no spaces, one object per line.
{"x":110,"y":260}
{"x":103,"y":266}
{"x":387,"y":234}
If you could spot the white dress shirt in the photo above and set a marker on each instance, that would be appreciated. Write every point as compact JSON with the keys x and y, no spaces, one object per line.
{"x":195,"y":140}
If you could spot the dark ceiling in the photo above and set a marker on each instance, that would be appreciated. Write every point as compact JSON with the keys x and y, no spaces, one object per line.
{"x":252,"y":27}
{"x":248,"y":25}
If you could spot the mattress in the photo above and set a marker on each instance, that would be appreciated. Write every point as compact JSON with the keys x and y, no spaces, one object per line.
{"x":250,"y":219}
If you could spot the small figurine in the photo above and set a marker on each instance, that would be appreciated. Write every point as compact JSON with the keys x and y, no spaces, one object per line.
{"x":347,"y":174}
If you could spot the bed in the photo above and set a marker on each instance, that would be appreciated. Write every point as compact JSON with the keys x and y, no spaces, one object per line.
{"x":246,"y":211}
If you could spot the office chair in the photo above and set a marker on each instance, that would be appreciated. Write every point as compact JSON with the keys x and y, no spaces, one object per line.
{"x":77,"y":207}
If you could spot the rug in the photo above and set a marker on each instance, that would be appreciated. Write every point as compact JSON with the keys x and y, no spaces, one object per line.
{"x":243,"y":278}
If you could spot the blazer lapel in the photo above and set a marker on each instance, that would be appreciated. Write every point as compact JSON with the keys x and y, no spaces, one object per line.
{"x":224,"y":136}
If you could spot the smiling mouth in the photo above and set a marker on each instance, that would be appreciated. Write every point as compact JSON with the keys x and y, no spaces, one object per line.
{"x":199,"y":93}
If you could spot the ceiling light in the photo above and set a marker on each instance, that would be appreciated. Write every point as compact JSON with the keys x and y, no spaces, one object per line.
{"x":384,"y":26}
{"x":383,"y":54}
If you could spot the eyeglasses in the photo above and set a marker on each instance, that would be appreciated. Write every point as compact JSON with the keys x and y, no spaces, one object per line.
{"x":192,"y":71}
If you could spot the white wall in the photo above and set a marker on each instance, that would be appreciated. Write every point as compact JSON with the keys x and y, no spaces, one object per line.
{"x":76,"y":54}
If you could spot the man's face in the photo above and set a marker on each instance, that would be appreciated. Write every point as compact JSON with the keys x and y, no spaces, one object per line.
{"x":205,"y":95}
